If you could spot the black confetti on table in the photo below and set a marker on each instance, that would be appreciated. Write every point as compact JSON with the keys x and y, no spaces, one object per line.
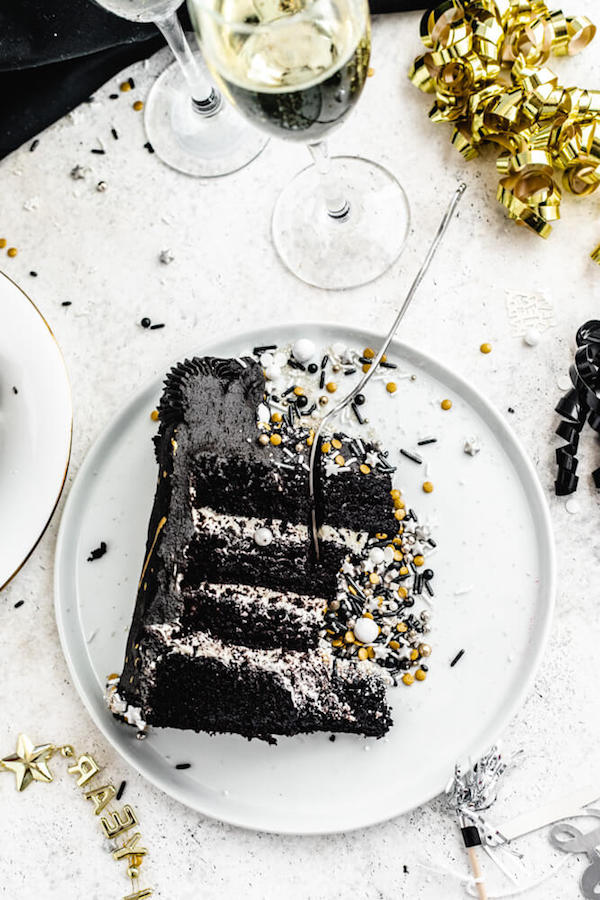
{"x":19,"y":603}
{"x":120,"y":791}
{"x":33,"y":145}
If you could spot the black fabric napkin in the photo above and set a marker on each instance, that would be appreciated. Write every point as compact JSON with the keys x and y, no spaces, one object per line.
{"x":55,"y":53}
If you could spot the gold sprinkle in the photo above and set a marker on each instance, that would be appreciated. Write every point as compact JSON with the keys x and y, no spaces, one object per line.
{"x":263,"y":439}
{"x":364,"y":468}
{"x":363,"y":653}
{"x":446,"y":404}
{"x":331,"y":387}
{"x":420,"y":675}
{"x":349,"y":637}
{"x":398,"y":556}
{"x":402,"y":592}
{"x":2,"y":243}
{"x":427,"y":487}
{"x":125,"y":86}
{"x":340,"y":460}
{"x":299,"y":391}
{"x":337,"y":643}
{"x":337,"y":444}
{"x":414,"y":655}
{"x":395,"y":494}
{"x":391,"y":387}
{"x":400,"y":514}
{"x":374,"y":578}
{"x":276,"y":417}
{"x":486,"y":348}
{"x":370,"y":652}
{"x":395,"y":645}
{"x":369,"y":353}
{"x":12,"y":251}
{"x":154,"y":415}
{"x":381,"y":536}
{"x":399,"y":504}
{"x":325,"y":447}
{"x":366,"y":367}
{"x":402,"y":627}
{"x":138,"y":105}
{"x":403,"y":570}
{"x":275,"y":439}
{"x":408,"y":678}
{"x":370,"y":72}
{"x":418,"y":560}
{"x":367,"y":615}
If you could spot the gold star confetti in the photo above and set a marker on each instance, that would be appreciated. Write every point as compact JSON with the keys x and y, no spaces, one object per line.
{"x":29,"y":763}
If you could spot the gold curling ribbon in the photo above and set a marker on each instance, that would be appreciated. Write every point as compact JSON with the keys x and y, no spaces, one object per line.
{"x":486,"y":65}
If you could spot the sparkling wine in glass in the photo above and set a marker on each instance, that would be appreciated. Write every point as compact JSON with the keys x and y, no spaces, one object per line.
{"x":188,"y":124}
{"x":295,"y":69}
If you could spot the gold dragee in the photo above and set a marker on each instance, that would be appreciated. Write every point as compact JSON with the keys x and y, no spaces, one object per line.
{"x":486,"y":63}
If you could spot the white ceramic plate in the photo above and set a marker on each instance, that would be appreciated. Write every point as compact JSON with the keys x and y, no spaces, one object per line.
{"x":494,"y":539}
{"x":35,"y":426}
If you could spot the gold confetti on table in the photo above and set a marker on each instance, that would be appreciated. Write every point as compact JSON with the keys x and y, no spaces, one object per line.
{"x":485,"y":61}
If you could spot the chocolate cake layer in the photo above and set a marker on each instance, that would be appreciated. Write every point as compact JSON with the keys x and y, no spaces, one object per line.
{"x":224,"y":548}
{"x":254,"y":616}
{"x":203,"y":684}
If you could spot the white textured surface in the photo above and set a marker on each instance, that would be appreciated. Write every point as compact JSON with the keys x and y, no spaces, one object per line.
{"x":100,"y":251}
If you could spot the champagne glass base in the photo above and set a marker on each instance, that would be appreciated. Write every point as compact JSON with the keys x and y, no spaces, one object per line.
{"x":204,"y":146}
{"x":342,"y":253}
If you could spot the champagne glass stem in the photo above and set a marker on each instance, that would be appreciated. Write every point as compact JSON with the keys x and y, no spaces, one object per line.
{"x":335,"y":203}
{"x":205,"y":99}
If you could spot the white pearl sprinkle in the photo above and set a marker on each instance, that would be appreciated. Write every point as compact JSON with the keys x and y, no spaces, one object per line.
{"x":366,"y":630}
{"x":376,"y":555}
{"x":532,"y":337}
{"x":303,"y":350}
{"x":564,"y":383}
{"x":263,"y":537}
{"x":572,"y":506}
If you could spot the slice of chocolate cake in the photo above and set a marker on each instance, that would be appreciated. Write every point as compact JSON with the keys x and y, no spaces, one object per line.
{"x":231,"y":603}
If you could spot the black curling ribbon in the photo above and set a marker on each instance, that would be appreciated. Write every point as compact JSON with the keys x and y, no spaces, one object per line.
{"x":581,"y":403}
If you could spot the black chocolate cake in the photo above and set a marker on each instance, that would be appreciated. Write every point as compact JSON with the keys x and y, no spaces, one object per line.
{"x":227,"y":633}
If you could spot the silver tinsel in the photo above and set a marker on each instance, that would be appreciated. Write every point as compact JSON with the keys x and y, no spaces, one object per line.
{"x":475,"y":789}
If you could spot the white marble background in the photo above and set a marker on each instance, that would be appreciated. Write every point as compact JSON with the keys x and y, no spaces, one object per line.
{"x":100,"y":251}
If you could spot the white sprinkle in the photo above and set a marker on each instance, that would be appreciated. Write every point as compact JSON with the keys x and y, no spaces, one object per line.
{"x":166,"y":256}
{"x":303,"y":350}
{"x":263,"y":537}
{"x":463,"y":590}
{"x":564,"y":382}
{"x":532,"y":337}
{"x":572,"y":506}
{"x":366,"y":630}
{"x":472,"y":446}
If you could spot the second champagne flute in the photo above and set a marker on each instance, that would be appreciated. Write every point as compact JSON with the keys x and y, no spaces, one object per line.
{"x":295,"y":68}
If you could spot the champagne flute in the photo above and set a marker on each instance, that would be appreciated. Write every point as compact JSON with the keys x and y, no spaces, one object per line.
{"x":296,"y":68}
{"x":188,"y":124}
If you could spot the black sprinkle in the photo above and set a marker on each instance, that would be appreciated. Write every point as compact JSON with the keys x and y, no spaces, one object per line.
{"x":288,"y":391}
{"x":131,"y":83}
{"x":418,"y":585}
{"x":149,"y":147}
{"x":426,"y":441}
{"x":33,"y":274}
{"x":360,"y":419}
{"x":332,"y":738}
{"x":89,"y":99}
{"x":349,"y":371}
{"x":405,"y":869}
{"x":359,"y":399}
{"x":309,"y":412}
{"x":294,"y":364}
{"x":114,"y":133}
{"x":158,"y":325}
{"x":431,"y":542}
{"x":365,"y":361}
{"x":510,"y":409}
{"x":98,"y":151}
{"x":428,"y":588}
{"x":19,"y":603}
{"x":181,"y":766}
{"x":33,"y":145}
{"x":322,"y":379}
{"x":98,"y":553}
{"x":388,"y":365}
{"x":120,"y":791}
{"x":15,"y":390}
{"x":312,"y":368}
{"x":324,"y":361}
{"x":258,"y":350}
{"x":458,"y":656}
{"x":66,"y":303}
{"x":412,"y":456}
{"x":146,"y":322}
{"x":113,"y":96}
